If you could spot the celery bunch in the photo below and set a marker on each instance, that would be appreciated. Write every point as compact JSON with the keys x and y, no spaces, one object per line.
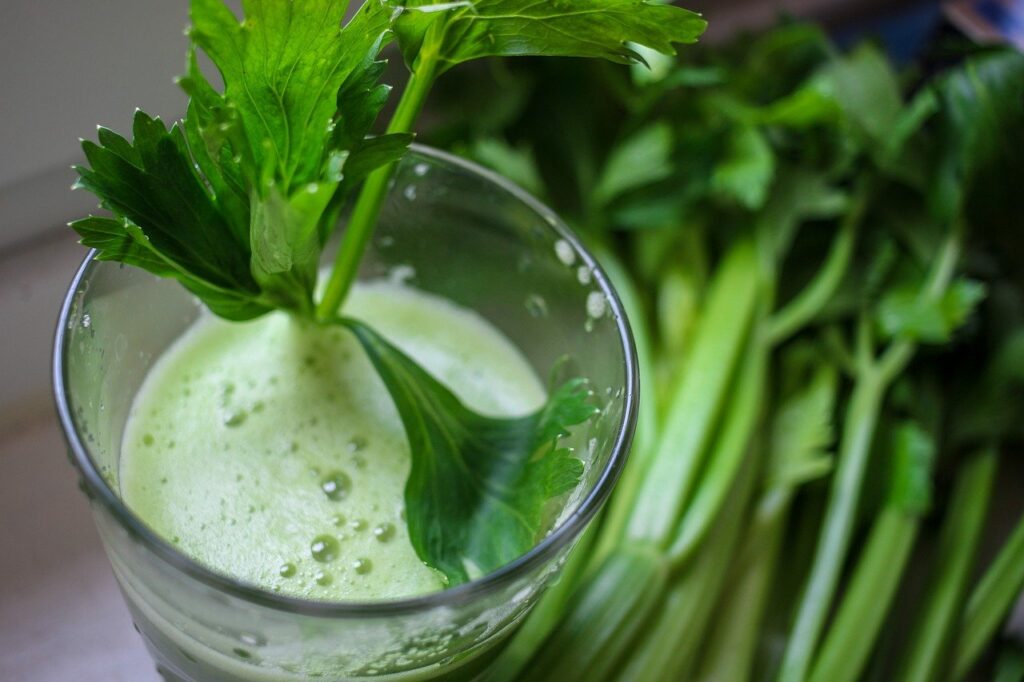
{"x":820,"y":258}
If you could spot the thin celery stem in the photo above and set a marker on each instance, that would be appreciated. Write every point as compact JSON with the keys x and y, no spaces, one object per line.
{"x":820,"y":290}
{"x":837,"y":527}
{"x":990,"y":601}
{"x":371,"y":198}
{"x":927,"y":655}
{"x":853,"y":633}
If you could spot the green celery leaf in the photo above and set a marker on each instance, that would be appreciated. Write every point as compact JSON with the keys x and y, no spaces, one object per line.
{"x":116,"y":239}
{"x":234,"y":202}
{"x":153,"y":185}
{"x":515,"y":163}
{"x":470,"y":29}
{"x":746,"y":172}
{"x":903,"y":313}
{"x":912,"y":456}
{"x":480,"y":486}
{"x":360,"y":99}
{"x":287,"y":70}
{"x":283,"y":68}
{"x":797,"y":195}
{"x":121,"y":241}
{"x":367,"y":155}
{"x":865,"y":86}
{"x":802,"y":429}
{"x":896,"y":156}
{"x":212,"y":134}
{"x":371,"y":153}
{"x":643,"y":158}
{"x":812,"y":104}
{"x":982,"y":133}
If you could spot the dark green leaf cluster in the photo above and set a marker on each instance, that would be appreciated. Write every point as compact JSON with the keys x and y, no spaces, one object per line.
{"x":167,"y":220}
{"x":237,"y":200}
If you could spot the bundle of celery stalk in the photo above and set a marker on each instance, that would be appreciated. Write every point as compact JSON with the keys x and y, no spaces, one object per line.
{"x":823,"y":262}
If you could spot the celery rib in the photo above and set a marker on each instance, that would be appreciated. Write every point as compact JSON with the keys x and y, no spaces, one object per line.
{"x":726,"y":457}
{"x":646,"y":435}
{"x":732,"y":643}
{"x":991,"y":600}
{"x":852,"y":635}
{"x":545,"y":616}
{"x":699,"y":398}
{"x":837,"y":528}
{"x":669,"y":647}
{"x":961,"y":528}
{"x":605,"y":614}
{"x":371,"y":198}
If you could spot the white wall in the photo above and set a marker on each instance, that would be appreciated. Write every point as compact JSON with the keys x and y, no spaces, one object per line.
{"x":66,"y":66}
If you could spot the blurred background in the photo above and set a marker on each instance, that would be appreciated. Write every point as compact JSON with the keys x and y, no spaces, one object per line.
{"x":68,"y":66}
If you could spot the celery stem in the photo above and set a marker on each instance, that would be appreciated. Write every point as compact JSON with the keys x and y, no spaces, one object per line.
{"x":669,"y":647}
{"x":646,"y":436}
{"x":604,"y":616}
{"x":726,"y":458}
{"x":862,"y":612}
{"x":820,"y":290}
{"x":961,"y":528}
{"x":731,"y":304}
{"x":731,"y":648}
{"x":873,"y":378}
{"x":371,"y":198}
{"x":990,"y":601}
{"x":837,"y":527}
{"x":545,"y":616}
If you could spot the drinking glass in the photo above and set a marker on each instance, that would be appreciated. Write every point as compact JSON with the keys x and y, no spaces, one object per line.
{"x":448,"y":228}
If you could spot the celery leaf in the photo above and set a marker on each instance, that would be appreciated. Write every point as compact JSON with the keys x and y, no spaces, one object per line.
{"x":479,"y":487}
{"x":471,"y":29}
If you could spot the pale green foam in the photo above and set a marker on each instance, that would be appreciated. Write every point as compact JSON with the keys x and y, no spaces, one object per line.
{"x":271,"y":452}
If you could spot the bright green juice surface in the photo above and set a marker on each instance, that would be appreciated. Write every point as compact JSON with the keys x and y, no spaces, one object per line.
{"x":270,"y":451}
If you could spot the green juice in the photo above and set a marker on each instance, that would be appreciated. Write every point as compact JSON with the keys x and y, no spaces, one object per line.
{"x":271,"y":452}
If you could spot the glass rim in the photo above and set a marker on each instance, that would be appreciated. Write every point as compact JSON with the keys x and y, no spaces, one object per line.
{"x":97,"y":488}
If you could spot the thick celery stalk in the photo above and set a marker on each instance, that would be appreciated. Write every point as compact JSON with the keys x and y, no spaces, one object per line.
{"x":670,"y":644}
{"x":727,"y":456}
{"x":728,"y":655}
{"x":605,"y":614}
{"x":545,"y":615}
{"x":717,"y":343}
